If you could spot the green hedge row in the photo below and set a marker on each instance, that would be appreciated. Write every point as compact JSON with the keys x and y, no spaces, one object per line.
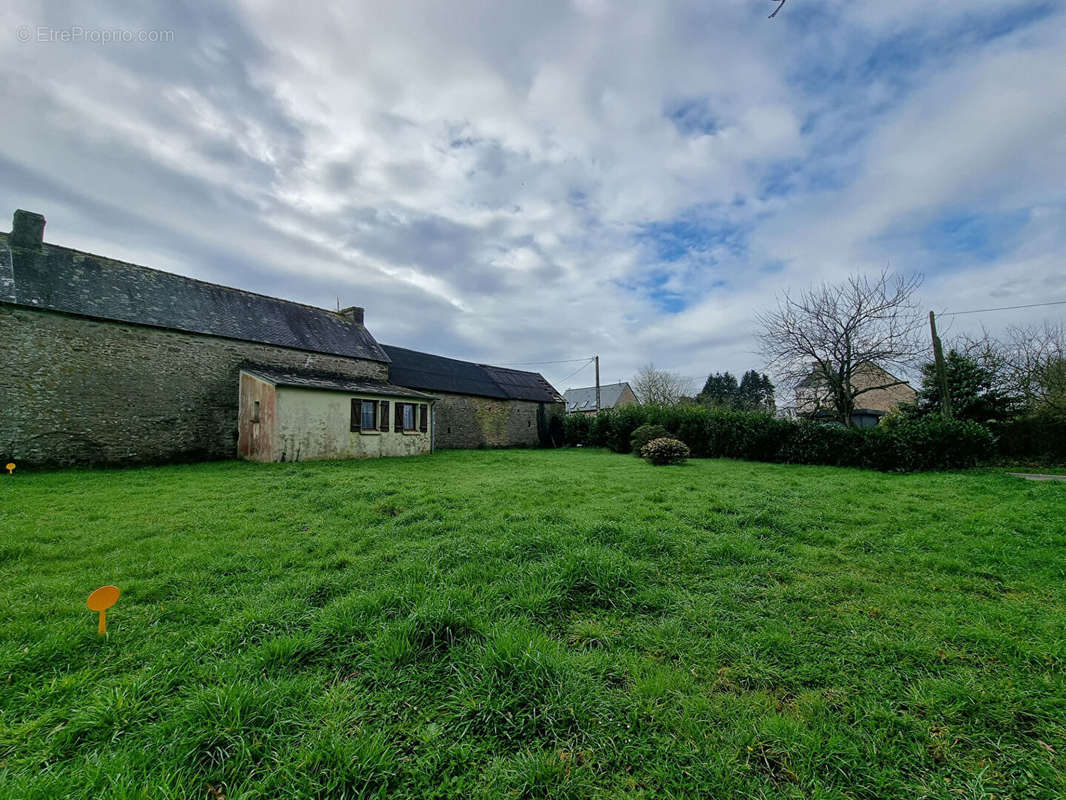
{"x":1034,"y":438}
{"x":931,"y":442}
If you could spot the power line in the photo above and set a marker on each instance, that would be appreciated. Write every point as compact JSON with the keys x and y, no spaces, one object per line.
{"x":583,"y":366}
{"x":531,"y":363}
{"x":1003,"y":308}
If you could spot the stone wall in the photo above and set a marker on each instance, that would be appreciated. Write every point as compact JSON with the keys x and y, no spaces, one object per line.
{"x":87,"y":391}
{"x":465,"y":421}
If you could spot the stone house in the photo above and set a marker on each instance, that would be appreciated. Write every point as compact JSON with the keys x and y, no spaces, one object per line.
{"x":612,"y":395}
{"x":885,"y":392}
{"x":107,"y":362}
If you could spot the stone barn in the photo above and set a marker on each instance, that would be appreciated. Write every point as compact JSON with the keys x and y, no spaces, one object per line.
{"x":479,"y":405}
{"x":107,"y":362}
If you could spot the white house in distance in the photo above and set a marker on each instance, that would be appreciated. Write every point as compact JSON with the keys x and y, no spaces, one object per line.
{"x":612,"y":395}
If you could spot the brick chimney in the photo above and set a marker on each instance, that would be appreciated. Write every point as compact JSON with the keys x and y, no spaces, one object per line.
{"x":352,"y":314}
{"x":27,"y":229}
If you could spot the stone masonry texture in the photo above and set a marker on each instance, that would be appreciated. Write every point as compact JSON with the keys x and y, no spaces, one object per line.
{"x":466,"y":421}
{"x":75,"y":390}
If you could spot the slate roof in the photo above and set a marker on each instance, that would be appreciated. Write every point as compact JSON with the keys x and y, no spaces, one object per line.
{"x":333,"y":383}
{"x":584,"y":399}
{"x":441,"y":374}
{"x":521,"y":385}
{"x":62,"y":279}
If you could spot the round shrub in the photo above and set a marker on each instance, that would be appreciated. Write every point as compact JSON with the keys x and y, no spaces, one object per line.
{"x":644,"y":434}
{"x":665,"y":451}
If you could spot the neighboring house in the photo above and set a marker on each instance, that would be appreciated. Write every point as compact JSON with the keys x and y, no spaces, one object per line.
{"x":479,"y":405}
{"x":612,"y":395}
{"x":107,"y":362}
{"x":889,"y":392}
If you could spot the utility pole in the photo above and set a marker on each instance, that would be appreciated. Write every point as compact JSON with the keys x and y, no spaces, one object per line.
{"x":941,"y":372}
{"x":597,"y":384}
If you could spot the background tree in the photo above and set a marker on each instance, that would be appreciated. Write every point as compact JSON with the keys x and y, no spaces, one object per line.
{"x":1035,"y":359}
{"x":756,"y":392}
{"x":720,"y":389}
{"x":1053,"y":387}
{"x":657,"y":387}
{"x":829,"y":333}
{"x":976,"y":391}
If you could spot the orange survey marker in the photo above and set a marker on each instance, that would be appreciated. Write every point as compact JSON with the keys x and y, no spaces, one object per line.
{"x":101,"y":600}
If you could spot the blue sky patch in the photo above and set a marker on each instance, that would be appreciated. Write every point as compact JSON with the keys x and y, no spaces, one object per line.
{"x":981,"y":236}
{"x":653,"y":285}
{"x":693,"y":117}
{"x":691,"y":235}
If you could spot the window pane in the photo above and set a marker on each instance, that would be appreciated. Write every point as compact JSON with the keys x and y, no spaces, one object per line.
{"x":408,"y":417}
{"x":368,"y":414}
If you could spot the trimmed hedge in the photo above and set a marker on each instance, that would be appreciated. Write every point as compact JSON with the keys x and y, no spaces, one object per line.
{"x":1034,"y":438}
{"x":931,"y":442}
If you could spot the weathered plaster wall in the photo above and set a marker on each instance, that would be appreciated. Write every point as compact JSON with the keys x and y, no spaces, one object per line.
{"x":464,"y":421}
{"x":83,"y":391}
{"x":314,"y":424}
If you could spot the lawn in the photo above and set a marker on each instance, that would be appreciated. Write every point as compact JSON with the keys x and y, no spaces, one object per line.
{"x":532,"y":624}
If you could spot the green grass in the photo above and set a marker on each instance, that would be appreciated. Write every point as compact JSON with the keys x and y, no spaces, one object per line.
{"x":532,"y":624}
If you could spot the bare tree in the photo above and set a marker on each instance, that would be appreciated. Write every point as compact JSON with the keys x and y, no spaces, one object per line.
{"x":832,"y":339}
{"x":995,"y":357}
{"x":1036,"y":362}
{"x":657,"y":387}
{"x":1028,"y":364}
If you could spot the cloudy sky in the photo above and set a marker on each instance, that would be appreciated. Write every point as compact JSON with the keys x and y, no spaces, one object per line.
{"x":539,"y":181}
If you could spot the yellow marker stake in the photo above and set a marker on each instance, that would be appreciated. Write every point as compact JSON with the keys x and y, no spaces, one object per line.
{"x":101,"y":600}
{"x":10,"y":468}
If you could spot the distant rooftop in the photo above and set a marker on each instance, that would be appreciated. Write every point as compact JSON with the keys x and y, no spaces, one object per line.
{"x":584,"y":399}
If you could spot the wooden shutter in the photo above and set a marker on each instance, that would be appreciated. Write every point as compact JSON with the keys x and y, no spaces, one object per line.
{"x":398,"y":426}
{"x":423,"y":418}
{"x":357,"y":414}
{"x":383,"y":415}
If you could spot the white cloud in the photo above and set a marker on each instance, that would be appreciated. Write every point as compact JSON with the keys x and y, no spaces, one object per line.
{"x":482,"y":176}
